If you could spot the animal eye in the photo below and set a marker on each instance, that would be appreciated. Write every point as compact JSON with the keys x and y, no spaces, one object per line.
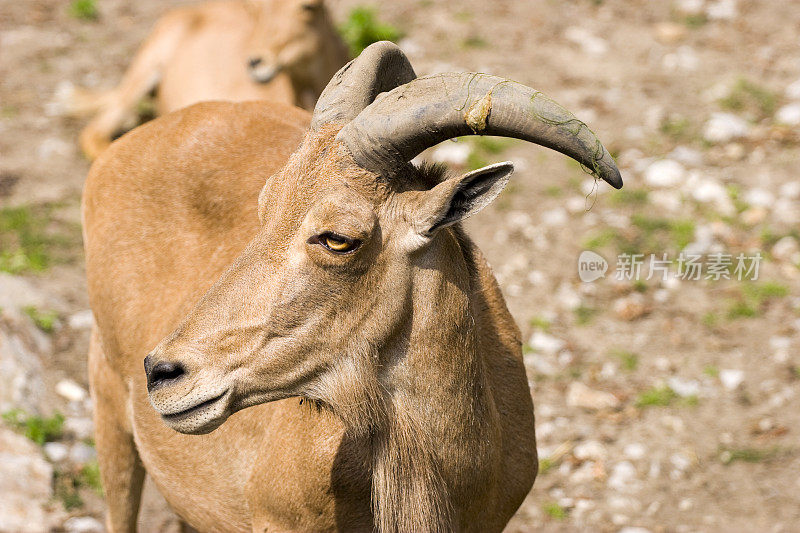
{"x":338,"y":243}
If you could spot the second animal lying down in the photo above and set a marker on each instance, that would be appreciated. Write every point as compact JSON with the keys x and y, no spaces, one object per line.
{"x":338,"y":274}
{"x":234,"y":50}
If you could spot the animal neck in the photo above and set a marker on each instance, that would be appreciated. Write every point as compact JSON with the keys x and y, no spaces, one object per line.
{"x":432,"y":450}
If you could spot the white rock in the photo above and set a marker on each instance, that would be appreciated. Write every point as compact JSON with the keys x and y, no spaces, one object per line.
{"x":722,"y":10}
{"x":567,"y":298}
{"x":583,"y":474}
{"x":54,"y":147}
{"x":545,"y":343}
{"x":725,"y":127}
{"x":786,"y":249}
{"x":21,"y":344}
{"x":83,"y":524}
{"x":454,"y":153}
{"x":81,"y":320}
{"x":685,"y":504}
{"x":793,"y":90}
{"x":634,"y":529}
{"x":684,"y":58}
{"x":687,"y":156}
{"x":56,"y":451}
{"x":25,"y":485}
{"x":684,"y":387}
{"x":758,"y":197}
{"x":789,"y":114}
{"x":731,"y":378}
{"x":80,"y":428}
{"x":555,"y":217}
{"x":780,"y":343}
{"x":680,"y":461}
{"x":790,"y":190}
{"x":664,"y":173}
{"x":576,"y":204}
{"x":634,"y":451}
{"x":709,"y":191}
{"x":66,"y":388}
{"x":622,"y":476}
{"x":667,"y":200}
{"x":579,"y":395}
{"x":589,"y":43}
{"x":690,"y":7}
{"x":591,"y":449}
{"x":786,"y":211}
{"x":81,"y":453}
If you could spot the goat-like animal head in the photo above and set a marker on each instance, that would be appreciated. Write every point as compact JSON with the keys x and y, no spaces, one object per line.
{"x":287,"y":37}
{"x":320,"y":304}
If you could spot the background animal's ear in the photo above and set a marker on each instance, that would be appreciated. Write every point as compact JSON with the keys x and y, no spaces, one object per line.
{"x":457,"y":198}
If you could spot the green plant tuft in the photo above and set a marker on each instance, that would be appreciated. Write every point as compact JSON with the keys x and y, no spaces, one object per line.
{"x":362,"y":28}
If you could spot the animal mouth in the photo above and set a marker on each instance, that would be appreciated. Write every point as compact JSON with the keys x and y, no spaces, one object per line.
{"x":264,"y":73}
{"x":197,"y":408}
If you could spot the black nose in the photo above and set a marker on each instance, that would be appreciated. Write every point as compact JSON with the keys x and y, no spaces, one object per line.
{"x":254,"y":62}
{"x":161,"y":373}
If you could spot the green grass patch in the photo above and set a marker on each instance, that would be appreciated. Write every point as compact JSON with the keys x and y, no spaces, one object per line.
{"x":475,"y":41}
{"x":601,"y":239}
{"x":362,"y":28}
{"x":656,"y":397}
{"x":695,"y":20}
{"x":632,"y":197}
{"x":746,"y":95}
{"x":754,"y":297}
{"x":90,"y":477}
{"x":83,"y":9}
{"x":546,"y":464}
{"x":31,"y":242}
{"x":554,"y":511}
{"x":628,"y":360}
{"x":584,"y":314}
{"x":678,"y":128}
{"x":748,"y":455}
{"x":711,"y":371}
{"x":44,"y":320}
{"x":540,"y":322}
{"x":36,"y":428}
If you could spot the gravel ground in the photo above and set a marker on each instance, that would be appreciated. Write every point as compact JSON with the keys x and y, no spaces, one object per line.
{"x":663,"y":404}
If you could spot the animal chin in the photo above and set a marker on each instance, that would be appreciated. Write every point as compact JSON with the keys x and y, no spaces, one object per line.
{"x":203,"y":417}
{"x":264,"y":73}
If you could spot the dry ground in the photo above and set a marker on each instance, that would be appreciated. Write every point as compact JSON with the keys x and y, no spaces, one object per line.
{"x":700,"y":432}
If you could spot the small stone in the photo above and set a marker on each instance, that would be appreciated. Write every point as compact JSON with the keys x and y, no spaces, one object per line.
{"x":83,"y":524}
{"x":454,"y":153}
{"x":685,"y":504}
{"x":684,"y":58}
{"x":680,"y":461}
{"x":81,"y":320}
{"x":786,"y":249}
{"x":583,"y":474}
{"x":56,"y":451}
{"x":25,"y":485}
{"x":731,"y":378}
{"x":589,"y":43}
{"x":567,"y":298}
{"x":793,"y":90}
{"x":592,"y":449}
{"x":630,"y":307}
{"x":753,"y":216}
{"x":758,"y":197}
{"x":634,"y":451}
{"x":790,"y":190}
{"x":664,"y":173}
{"x":545,"y":343}
{"x":690,"y":7}
{"x":634,"y":529}
{"x":80,"y":428}
{"x":579,"y":395}
{"x":670,"y":32}
{"x":789,"y":114}
{"x":725,"y":127}
{"x":722,"y":10}
{"x":555,"y":217}
{"x":667,"y":200}
{"x":621,"y":476}
{"x":70,"y":390}
{"x":684,"y":387}
{"x":81,"y":453}
{"x":687,"y":156}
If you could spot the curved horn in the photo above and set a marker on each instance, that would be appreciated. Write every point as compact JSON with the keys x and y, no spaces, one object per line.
{"x":402,"y":123}
{"x":381,"y":67}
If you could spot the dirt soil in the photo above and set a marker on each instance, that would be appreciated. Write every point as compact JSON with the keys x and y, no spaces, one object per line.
{"x":664,"y":405}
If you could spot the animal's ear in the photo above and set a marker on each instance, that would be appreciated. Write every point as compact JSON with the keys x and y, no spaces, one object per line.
{"x":457,"y":198}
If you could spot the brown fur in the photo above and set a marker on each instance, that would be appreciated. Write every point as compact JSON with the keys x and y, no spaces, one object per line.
{"x":202,"y":52}
{"x":421,"y":416}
